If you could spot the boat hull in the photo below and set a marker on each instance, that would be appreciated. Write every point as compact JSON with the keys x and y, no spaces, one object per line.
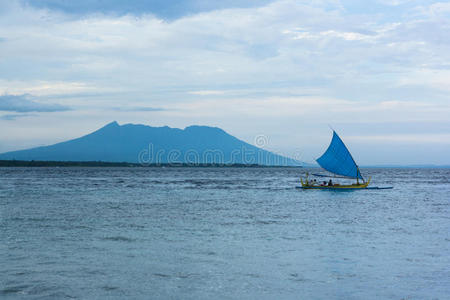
{"x":306,"y":186}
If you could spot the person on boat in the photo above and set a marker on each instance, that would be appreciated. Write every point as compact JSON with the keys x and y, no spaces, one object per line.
{"x":313,"y":182}
{"x":330,"y":183}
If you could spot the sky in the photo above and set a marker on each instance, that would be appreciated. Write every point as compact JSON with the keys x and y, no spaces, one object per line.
{"x":376,"y":71}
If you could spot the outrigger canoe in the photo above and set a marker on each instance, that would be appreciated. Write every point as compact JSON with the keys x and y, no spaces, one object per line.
{"x":307,"y":185}
{"x":337,"y":160}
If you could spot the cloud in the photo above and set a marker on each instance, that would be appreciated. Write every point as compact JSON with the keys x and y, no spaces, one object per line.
{"x":315,"y":108}
{"x":161,"y":8}
{"x":206,"y":93}
{"x":49,"y":88}
{"x":11,"y":117}
{"x":139,"y":108}
{"x":393,"y":2}
{"x":23,"y":103}
{"x":403,"y":138}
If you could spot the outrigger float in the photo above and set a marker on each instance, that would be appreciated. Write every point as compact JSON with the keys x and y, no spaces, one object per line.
{"x":338,"y":160}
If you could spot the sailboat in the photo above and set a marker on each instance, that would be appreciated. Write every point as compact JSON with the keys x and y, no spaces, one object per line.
{"x":338,"y":160}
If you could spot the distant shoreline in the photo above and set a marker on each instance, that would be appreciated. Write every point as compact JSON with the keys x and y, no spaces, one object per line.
{"x":39,"y":163}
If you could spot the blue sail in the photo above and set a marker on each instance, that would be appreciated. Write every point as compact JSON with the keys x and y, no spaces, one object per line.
{"x":338,"y":160}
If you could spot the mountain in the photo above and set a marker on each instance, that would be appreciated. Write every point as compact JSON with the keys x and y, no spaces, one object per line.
{"x":146,"y":144}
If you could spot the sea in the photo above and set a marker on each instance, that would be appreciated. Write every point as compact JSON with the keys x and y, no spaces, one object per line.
{"x":221,"y":233}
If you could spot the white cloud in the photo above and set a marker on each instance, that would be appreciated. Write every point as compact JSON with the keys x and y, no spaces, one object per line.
{"x":299,"y":34}
{"x":313,"y":109}
{"x":46,"y":88}
{"x":436,"y":79}
{"x":206,"y":93}
{"x":403,"y":138}
{"x":394,"y":2}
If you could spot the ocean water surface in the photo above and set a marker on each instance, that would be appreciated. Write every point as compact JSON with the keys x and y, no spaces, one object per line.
{"x":221,"y":233}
